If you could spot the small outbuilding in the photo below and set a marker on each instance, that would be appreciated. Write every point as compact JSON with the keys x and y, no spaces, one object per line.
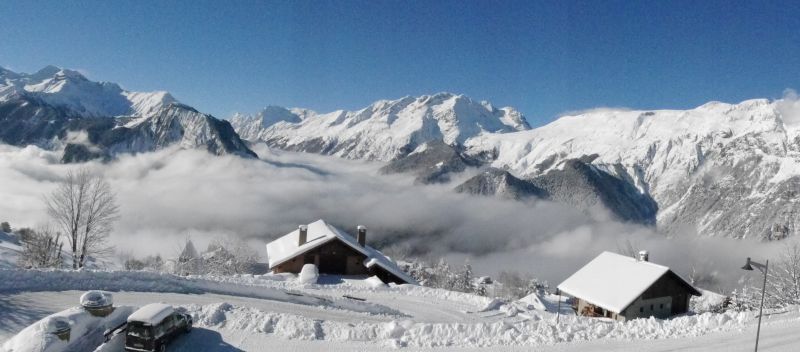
{"x":334,"y":252}
{"x":621,"y":287}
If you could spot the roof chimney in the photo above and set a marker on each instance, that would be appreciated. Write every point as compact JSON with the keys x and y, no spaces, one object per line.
{"x":362,"y":235}
{"x":644,"y":256}
{"x":303,"y":237}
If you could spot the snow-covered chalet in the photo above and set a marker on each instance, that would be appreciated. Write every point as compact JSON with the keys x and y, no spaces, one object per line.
{"x":334,"y":252}
{"x":622,"y":287}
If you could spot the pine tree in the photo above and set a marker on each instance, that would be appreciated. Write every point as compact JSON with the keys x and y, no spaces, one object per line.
{"x":463,"y":282}
{"x":443,"y":275}
{"x":189,"y":261}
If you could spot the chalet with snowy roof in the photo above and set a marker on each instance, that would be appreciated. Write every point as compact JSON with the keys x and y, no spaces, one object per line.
{"x":621,"y":287}
{"x":334,"y":252}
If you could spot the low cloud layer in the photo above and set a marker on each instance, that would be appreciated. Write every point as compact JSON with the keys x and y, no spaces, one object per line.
{"x":173,"y":194}
{"x":789,"y":106}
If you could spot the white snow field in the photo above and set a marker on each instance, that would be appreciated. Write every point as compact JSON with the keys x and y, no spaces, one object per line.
{"x":276,"y":312}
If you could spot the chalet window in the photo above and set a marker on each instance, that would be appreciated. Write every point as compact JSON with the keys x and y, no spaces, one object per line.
{"x":641,"y":309}
{"x":661,"y":306}
{"x":651,"y":307}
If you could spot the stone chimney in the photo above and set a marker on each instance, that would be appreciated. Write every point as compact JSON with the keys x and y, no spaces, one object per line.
{"x":302,"y":238}
{"x":644,"y":256}
{"x":362,"y":235}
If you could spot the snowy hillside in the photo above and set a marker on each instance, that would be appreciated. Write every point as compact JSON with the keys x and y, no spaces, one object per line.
{"x":383,"y":131}
{"x":728,"y":169}
{"x":58,"y":108}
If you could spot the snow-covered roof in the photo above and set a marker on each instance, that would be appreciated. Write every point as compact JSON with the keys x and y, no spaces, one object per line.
{"x":151,"y":314}
{"x":614,"y":281}
{"x":319,"y":233}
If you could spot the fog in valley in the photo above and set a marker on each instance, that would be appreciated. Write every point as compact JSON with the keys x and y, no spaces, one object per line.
{"x":168,"y":196}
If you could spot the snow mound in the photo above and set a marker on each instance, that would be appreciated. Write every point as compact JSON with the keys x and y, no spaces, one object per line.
{"x":309,"y":274}
{"x":374,"y":282}
{"x":94,"y":299}
{"x":546,"y":302}
{"x":492,"y":305}
{"x":708,"y":302}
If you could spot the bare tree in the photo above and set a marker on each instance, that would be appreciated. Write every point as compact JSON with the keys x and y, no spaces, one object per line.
{"x":189,"y":260}
{"x":84,"y":209}
{"x":783,"y":282}
{"x":784,"y":278}
{"x":42,"y":249}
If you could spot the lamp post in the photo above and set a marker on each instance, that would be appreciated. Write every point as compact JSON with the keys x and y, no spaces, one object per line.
{"x":763,"y":268}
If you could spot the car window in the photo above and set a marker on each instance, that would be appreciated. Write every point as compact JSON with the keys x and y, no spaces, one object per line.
{"x":169,"y":322}
{"x":160,"y":330}
{"x":139,"y":331}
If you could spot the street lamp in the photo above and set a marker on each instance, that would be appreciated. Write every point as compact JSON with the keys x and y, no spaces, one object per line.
{"x":763,"y":268}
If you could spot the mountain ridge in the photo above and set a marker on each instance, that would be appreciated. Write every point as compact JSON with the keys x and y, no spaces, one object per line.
{"x":397,"y":126}
{"x":706,"y":168}
{"x":47,"y":107}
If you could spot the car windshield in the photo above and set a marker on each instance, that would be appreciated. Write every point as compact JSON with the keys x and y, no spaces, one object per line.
{"x":140,"y":331}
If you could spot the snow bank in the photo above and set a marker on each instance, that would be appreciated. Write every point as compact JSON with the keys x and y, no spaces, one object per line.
{"x":530,"y":329}
{"x":86,"y":331}
{"x":142,"y":281}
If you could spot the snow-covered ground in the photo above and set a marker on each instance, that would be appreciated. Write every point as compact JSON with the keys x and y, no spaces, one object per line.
{"x":414,"y":318}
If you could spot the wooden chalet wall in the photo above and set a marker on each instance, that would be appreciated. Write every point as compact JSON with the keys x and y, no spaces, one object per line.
{"x":670,"y":285}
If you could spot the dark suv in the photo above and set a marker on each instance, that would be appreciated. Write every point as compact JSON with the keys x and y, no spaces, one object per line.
{"x":153,"y":326}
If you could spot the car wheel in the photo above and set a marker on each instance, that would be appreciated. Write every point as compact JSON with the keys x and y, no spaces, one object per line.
{"x":162,"y":348}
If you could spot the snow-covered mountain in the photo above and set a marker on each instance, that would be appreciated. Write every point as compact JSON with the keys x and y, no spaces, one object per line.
{"x":577,"y":183}
{"x":496,"y":182}
{"x":729,"y":170}
{"x":57,"y":107}
{"x":431,"y":162}
{"x":721,"y":169}
{"x":383,"y":131}
{"x":72,"y":91}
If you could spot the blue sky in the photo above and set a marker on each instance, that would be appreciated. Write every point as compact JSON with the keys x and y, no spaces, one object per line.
{"x":544,"y":58}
